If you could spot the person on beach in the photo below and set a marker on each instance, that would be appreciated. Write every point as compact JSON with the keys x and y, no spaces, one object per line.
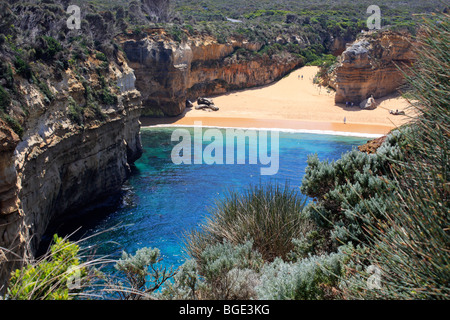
{"x":345,"y":120}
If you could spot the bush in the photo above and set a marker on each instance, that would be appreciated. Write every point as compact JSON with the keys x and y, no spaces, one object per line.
{"x":409,"y":243}
{"x":107,"y":97}
{"x":345,"y":190}
{"x":48,"y":48}
{"x":22,"y":68}
{"x":224,"y":272}
{"x":270,"y":216}
{"x":14,"y":124}
{"x":185,"y":283}
{"x":143,"y":273}
{"x":50,"y":278}
{"x":228,"y":269}
{"x":75,"y":112}
{"x":5,"y":100}
{"x":314,"y":278}
{"x":101,"y":56}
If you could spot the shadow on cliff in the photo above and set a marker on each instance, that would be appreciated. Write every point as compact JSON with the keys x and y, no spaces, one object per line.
{"x":78,"y":222}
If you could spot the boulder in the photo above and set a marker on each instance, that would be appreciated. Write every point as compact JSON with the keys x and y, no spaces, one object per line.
{"x":205,"y":106}
{"x":205,"y":101}
{"x":189,"y":104}
{"x":369,"y":104}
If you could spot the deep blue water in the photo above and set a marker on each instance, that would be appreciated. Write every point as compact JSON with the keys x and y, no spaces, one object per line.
{"x":163,"y":200}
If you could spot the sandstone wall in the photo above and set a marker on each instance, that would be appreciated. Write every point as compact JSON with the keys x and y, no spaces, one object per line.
{"x":168,"y":72}
{"x":60,"y":165}
{"x":371,"y":66}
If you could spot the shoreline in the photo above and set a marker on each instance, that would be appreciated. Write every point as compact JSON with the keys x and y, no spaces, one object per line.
{"x":349,"y":130}
{"x":294,"y":103}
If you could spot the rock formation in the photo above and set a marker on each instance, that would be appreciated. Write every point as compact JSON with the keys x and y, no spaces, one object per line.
{"x":59,"y":165}
{"x":371,"y":66}
{"x":169,"y":72}
{"x":206,"y":104}
{"x":369,"y":103}
{"x":162,"y":73}
{"x":372,"y":146}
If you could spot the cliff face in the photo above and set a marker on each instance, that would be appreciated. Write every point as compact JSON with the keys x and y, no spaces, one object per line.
{"x":370,"y":66}
{"x":162,"y":73}
{"x":60,"y":164}
{"x":168,"y":72}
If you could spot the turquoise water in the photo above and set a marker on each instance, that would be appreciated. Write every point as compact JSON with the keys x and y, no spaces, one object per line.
{"x":162,"y":201}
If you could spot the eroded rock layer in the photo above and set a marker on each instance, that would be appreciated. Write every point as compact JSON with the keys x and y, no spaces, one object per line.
{"x":64,"y":160}
{"x":170,"y":72}
{"x":372,"y":65}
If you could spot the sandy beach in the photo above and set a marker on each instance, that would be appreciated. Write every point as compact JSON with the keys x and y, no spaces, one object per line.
{"x":293,"y":103}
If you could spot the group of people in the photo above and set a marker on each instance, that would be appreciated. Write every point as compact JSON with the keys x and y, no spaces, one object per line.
{"x":349,"y":104}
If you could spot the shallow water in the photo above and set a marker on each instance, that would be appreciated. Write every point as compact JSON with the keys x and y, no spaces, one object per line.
{"x":162,"y":201}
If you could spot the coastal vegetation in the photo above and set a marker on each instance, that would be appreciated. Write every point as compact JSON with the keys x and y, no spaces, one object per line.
{"x":377,"y":225}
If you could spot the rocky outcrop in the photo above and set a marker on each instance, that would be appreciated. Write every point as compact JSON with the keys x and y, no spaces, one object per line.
{"x":13,"y":233}
{"x":369,"y":103}
{"x":339,"y":44}
{"x":372,"y":146}
{"x":206,"y":104}
{"x":162,"y":74}
{"x":371,"y":66}
{"x":212,"y":77}
{"x":169,"y":72}
{"x":59,"y":165}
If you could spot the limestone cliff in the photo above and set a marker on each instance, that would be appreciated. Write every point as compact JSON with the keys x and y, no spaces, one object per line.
{"x":170,"y":72}
{"x":65,"y":160}
{"x":370,"y":66}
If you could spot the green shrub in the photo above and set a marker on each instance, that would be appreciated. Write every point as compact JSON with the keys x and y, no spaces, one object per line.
{"x":107,"y":97}
{"x":143,"y":273}
{"x":43,"y":87}
{"x":48,"y":48}
{"x":14,"y":124}
{"x":227,"y":269}
{"x":345,"y":190}
{"x":313,"y":278}
{"x":224,"y":272}
{"x":269,"y":215}
{"x":177,"y":34}
{"x":101,"y":56}
{"x":7,"y":74}
{"x":75,"y":112}
{"x":49,"y":278}
{"x":185,"y":283}
{"x":22,"y":68}
{"x":5,"y":100}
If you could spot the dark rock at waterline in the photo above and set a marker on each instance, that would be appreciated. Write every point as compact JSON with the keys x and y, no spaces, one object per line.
{"x":189,"y":104}
{"x":205,"y":106}
{"x":205,"y":101}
